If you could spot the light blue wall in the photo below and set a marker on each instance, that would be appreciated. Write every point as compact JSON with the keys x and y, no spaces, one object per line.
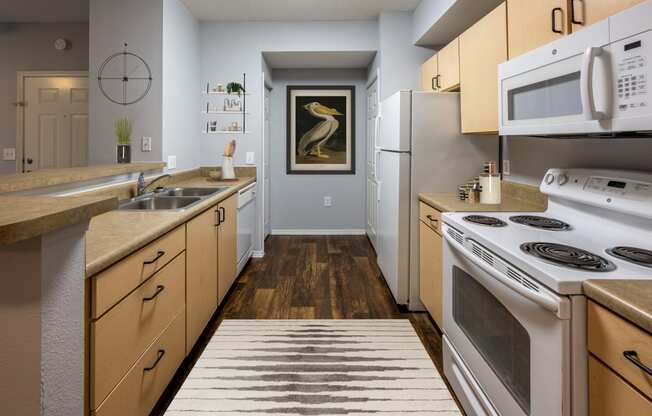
{"x":426,"y":13}
{"x":298,"y":200}
{"x":181,"y":85}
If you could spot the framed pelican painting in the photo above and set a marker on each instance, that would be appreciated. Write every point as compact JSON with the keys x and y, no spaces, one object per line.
{"x":321,"y":130}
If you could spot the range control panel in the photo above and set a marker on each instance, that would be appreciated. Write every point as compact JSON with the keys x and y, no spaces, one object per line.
{"x":616,"y":187}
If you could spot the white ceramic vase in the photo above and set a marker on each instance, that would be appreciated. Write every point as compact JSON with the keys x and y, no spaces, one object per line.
{"x":228,"y":172}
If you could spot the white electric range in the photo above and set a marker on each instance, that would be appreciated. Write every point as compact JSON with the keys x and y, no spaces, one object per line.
{"x":514,"y":312}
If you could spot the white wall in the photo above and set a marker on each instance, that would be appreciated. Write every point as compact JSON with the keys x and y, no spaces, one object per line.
{"x":298,"y":200}
{"x":30,"y":47}
{"x":426,"y":13}
{"x":181,"y":85}
{"x":138,"y":23}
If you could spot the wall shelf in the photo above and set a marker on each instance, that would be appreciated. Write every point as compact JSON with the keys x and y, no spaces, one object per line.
{"x":225,"y":132}
{"x":241,"y":108}
{"x":225,"y":112}
{"x":224,"y":93}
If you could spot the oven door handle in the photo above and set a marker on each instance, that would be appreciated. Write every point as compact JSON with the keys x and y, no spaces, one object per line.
{"x":545,"y":300}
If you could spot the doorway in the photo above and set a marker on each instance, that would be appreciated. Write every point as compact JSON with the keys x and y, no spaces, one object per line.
{"x":52,"y":125}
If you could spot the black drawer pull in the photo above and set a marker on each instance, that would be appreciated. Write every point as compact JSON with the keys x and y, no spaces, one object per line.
{"x":222,"y":215}
{"x":632,"y":357}
{"x":573,"y":18}
{"x":159,"y":289}
{"x":554,"y":20}
{"x":432,"y":84}
{"x":431,"y":218}
{"x":218,"y":218}
{"x":438,"y":77}
{"x":160,"y":355}
{"x":158,"y":256}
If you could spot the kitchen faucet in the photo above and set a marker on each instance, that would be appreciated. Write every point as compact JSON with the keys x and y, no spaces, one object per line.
{"x":142,"y":185}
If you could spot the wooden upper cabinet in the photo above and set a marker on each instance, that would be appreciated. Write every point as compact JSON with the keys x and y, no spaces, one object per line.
{"x":201,"y":274}
{"x":535,"y":23}
{"x":448,"y":66}
{"x":586,"y":12}
{"x":429,"y":74}
{"x":482,"y":47}
{"x":227,"y":245}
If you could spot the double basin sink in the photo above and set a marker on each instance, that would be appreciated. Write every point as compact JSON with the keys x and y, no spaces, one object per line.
{"x":169,"y":199}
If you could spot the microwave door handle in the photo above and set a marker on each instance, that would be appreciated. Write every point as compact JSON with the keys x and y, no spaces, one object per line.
{"x":586,"y":85}
{"x":544,"y":300}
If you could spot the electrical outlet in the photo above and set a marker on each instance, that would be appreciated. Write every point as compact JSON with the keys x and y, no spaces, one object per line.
{"x":507,"y":167}
{"x":251,"y":158}
{"x":9,"y":153}
{"x":328,"y":201}
{"x":172,"y":162}
{"x":146,"y":144}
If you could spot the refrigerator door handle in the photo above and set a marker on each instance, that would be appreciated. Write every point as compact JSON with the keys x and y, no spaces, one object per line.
{"x":378,"y":186}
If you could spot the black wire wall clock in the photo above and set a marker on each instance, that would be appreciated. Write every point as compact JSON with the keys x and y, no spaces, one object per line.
{"x":125,"y":78}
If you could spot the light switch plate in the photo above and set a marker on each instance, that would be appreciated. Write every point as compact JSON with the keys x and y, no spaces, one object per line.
{"x":172,"y":162}
{"x":251,"y":158}
{"x":9,"y":153}
{"x":507,"y":167}
{"x":146,"y":144}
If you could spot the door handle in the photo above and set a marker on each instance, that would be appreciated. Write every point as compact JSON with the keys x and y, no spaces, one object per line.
{"x":159,"y":254}
{"x":586,"y":85}
{"x":432,"y":83}
{"x":159,"y":356}
{"x":159,"y":289}
{"x":222,"y":214}
{"x":632,"y":357}
{"x":572,"y":10}
{"x":29,"y":160}
{"x":438,"y":78}
{"x":217,"y":217}
{"x":554,"y":20}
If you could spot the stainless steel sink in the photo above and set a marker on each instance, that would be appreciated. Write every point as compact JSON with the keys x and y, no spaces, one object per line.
{"x":159,"y":202}
{"x":192,"y":191}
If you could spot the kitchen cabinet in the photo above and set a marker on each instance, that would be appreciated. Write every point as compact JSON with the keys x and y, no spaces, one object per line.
{"x":482,"y":47}
{"x":442,"y":71}
{"x":586,"y":12}
{"x":201,"y":273}
{"x":429,"y":74}
{"x":227,"y":245}
{"x":431,"y":262}
{"x":532,"y":24}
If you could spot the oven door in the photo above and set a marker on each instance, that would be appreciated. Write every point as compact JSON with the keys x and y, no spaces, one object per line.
{"x":563,"y":88}
{"x":511,"y":348}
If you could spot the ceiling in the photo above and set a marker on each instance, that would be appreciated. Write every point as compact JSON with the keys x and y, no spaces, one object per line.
{"x":319,"y":60}
{"x":44,"y":11}
{"x":294,"y":10}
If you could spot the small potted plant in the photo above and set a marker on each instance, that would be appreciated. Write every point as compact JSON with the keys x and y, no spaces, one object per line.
{"x":234,"y":88}
{"x":123,"y":129}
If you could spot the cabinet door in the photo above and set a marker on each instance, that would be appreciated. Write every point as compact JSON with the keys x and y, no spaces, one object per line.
{"x":587,"y":12}
{"x":201,"y":273}
{"x":227,"y":245}
{"x":429,"y":74}
{"x":430,"y":272}
{"x":609,"y":395}
{"x":534,"y":23}
{"x":448,"y":66}
{"x":482,"y":47}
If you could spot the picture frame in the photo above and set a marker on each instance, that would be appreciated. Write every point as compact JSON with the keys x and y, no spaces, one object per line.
{"x":320,"y":130}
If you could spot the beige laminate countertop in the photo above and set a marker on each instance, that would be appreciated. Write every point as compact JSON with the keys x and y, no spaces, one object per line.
{"x":449,"y":202}
{"x":25,"y":217}
{"x":631,"y":299}
{"x":116,"y":234}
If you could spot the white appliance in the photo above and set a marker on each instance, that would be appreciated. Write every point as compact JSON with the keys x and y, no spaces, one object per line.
{"x":246,"y":224}
{"x":593,"y":82}
{"x":419,"y":149}
{"x":514,"y":312}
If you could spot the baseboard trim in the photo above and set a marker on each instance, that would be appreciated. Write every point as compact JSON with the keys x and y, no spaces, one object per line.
{"x":352,"y":231}
{"x":258,"y":254}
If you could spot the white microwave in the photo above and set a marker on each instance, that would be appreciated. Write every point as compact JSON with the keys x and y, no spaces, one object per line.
{"x":593,"y":82}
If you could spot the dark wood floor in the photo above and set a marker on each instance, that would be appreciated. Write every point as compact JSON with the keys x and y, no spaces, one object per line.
{"x":329,"y":277}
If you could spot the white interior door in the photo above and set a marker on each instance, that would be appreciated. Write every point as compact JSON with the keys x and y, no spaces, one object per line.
{"x":266,"y":173}
{"x":372,"y":200}
{"x":56,"y":122}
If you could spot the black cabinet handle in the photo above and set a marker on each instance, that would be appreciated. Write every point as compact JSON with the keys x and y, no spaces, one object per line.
{"x":632,"y":357}
{"x":160,"y":355}
{"x":438,"y":77}
{"x":218,"y":217}
{"x":431,"y":218}
{"x":573,"y":19}
{"x":159,"y":289}
{"x":554,"y":20}
{"x":432,"y":83}
{"x":159,"y":254}
{"x":222,"y":214}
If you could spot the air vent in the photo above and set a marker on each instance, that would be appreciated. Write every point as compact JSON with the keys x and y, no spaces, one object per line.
{"x":457,"y":236}
{"x":501,"y":265}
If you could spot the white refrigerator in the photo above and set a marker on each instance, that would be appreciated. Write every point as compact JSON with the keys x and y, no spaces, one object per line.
{"x":419,"y":148}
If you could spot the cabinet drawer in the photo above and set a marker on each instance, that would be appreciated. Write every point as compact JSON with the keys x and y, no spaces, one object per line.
{"x":117,"y":281}
{"x":609,"y":336}
{"x":430,"y":216}
{"x":140,"y":389}
{"x":119,"y":337}
{"x":609,"y":395}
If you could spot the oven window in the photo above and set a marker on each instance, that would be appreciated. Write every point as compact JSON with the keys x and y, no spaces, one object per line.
{"x":496,"y":334}
{"x":555,"y":97}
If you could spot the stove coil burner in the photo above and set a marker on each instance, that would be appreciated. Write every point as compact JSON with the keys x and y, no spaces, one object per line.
{"x":543,"y":223}
{"x":484,"y":220}
{"x":634,"y":255}
{"x":568,"y":256}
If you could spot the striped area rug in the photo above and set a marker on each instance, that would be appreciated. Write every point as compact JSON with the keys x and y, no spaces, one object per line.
{"x":314,"y":367}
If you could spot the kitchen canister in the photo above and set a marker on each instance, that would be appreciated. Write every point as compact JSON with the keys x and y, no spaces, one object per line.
{"x":490,"y":184}
{"x":228,"y":172}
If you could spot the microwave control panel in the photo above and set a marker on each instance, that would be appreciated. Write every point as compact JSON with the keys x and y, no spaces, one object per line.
{"x":632,"y":68}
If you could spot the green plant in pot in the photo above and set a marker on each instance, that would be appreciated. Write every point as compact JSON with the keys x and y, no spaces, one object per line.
{"x":123,"y":130}
{"x":234,"y":88}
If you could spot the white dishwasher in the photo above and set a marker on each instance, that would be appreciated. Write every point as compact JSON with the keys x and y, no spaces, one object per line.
{"x":246,"y":224}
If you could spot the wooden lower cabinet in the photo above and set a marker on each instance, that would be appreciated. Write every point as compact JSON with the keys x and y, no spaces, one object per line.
{"x":201,"y":273}
{"x":227,"y":245}
{"x":430,"y":271}
{"x":586,"y":12}
{"x":610,"y":395}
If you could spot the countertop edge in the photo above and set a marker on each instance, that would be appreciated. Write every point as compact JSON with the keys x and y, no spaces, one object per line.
{"x":431,"y":200}
{"x":616,"y":304}
{"x":108,"y":260}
